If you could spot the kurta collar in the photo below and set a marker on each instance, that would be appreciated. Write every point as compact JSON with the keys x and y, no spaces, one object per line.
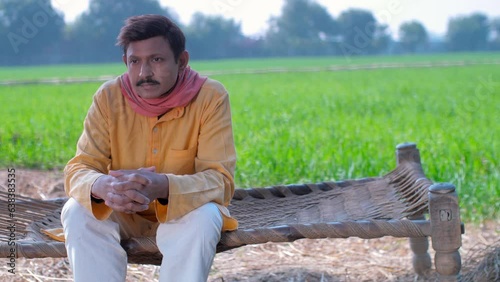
{"x":175,"y":113}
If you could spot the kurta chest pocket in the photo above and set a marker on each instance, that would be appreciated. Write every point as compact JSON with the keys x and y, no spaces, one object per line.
{"x":181,"y":161}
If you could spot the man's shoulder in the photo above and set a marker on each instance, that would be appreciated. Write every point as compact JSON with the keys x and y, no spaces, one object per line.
{"x":109,"y":87}
{"x":213,"y":88}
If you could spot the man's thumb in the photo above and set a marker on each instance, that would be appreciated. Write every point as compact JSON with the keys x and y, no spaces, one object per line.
{"x":151,"y":168}
{"x":115,"y":173}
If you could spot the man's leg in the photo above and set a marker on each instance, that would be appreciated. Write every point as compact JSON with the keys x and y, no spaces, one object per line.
{"x":188,"y":244}
{"x":93,"y":245}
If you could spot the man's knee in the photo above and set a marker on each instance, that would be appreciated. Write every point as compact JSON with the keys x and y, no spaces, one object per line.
{"x":208,"y":213}
{"x":203,"y":222}
{"x":77,"y":221}
{"x":206,"y":219}
{"x":74,"y":212}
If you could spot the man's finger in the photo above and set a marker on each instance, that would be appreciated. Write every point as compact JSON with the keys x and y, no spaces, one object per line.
{"x":122,"y":203}
{"x":116,"y":173}
{"x":150,"y":169}
{"x":131,"y":175}
{"x":123,"y":185}
{"x":117,"y":199}
{"x":138,"y":178}
{"x":137,"y":197}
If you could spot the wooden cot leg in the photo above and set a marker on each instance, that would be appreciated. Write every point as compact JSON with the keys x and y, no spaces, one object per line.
{"x":421,"y":259}
{"x":445,"y":230}
{"x":408,"y":152}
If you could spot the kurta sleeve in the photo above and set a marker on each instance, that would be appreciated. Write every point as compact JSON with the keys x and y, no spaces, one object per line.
{"x":213,"y":180}
{"x":92,"y":157}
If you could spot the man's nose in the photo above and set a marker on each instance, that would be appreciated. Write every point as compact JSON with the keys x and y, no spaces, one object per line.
{"x":146,"y":70}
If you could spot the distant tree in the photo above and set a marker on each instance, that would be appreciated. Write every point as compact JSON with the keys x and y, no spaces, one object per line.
{"x":31,"y":32}
{"x":4,"y":43}
{"x":468,"y":33}
{"x":93,"y":36}
{"x":412,"y":36}
{"x":381,"y":39}
{"x":303,"y":28}
{"x":495,"y":28}
{"x":211,"y":37}
{"x":358,"y":29}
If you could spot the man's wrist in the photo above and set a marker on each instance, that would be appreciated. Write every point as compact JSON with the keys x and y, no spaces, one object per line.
{"x":96,"y":199}
{"x":93,"y":196}
{"x":163,"y":200}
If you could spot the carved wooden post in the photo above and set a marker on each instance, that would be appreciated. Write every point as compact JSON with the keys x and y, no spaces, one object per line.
{"x":445,"y":230}
{"x":407,"y":152}
{"x":421,"y":260}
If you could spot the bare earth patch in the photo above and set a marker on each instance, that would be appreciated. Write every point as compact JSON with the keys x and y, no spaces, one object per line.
{"x":352,"y":259}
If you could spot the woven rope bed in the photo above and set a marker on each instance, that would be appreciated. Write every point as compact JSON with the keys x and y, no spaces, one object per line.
{"x":392,"y":205}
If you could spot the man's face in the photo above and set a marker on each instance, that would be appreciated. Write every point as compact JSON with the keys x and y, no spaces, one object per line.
{"x":151,"y":66}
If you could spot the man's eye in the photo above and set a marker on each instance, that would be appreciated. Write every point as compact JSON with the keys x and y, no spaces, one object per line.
{"x":156,"y":59}
{"x":133,"y":61}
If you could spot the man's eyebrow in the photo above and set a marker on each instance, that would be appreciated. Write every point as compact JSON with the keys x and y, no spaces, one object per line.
{"x":157,"y":55}
{"x":149,"y":56}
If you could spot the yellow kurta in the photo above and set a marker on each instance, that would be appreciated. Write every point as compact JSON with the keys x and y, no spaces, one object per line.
{"x":192,"y":145}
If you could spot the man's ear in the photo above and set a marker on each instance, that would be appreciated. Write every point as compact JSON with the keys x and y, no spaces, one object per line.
{"x":183,"y":60}
{"x":124,"y":59}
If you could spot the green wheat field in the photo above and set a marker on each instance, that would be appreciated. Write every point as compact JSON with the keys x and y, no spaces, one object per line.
{"x":303,"y":126}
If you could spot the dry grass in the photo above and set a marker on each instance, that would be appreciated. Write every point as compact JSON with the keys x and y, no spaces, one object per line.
{"x":484,"y":265}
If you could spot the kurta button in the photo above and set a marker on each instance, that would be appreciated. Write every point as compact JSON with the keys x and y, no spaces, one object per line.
{"x":155,"y":129}
{"x":155,"y":151}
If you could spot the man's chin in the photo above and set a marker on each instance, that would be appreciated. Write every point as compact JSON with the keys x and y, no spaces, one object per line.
{"x":149,"y":95}
{"x":149,"y":91}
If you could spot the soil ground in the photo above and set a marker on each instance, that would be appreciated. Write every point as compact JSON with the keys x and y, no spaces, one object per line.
{"x":352,"y":259}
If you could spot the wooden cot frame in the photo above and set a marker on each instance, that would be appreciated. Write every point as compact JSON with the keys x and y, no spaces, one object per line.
{"x":393,"y":205}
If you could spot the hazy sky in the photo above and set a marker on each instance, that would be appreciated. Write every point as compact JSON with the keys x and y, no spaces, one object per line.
{"x":254,"y":14}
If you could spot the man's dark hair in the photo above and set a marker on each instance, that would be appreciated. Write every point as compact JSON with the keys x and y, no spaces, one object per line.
{"x":143,"y":27}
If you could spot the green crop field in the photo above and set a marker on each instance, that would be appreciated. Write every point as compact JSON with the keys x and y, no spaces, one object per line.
{"x":67,"y":71}
{"x":295,"y":127}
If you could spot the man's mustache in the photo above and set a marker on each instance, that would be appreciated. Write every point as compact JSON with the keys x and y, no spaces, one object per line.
{"x":150,"y":81}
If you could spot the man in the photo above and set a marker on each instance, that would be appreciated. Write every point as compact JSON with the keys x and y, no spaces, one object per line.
{"x":156,"y":157}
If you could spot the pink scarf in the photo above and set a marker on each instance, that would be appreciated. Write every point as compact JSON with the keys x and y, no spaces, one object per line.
{"x":188,"y":85}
